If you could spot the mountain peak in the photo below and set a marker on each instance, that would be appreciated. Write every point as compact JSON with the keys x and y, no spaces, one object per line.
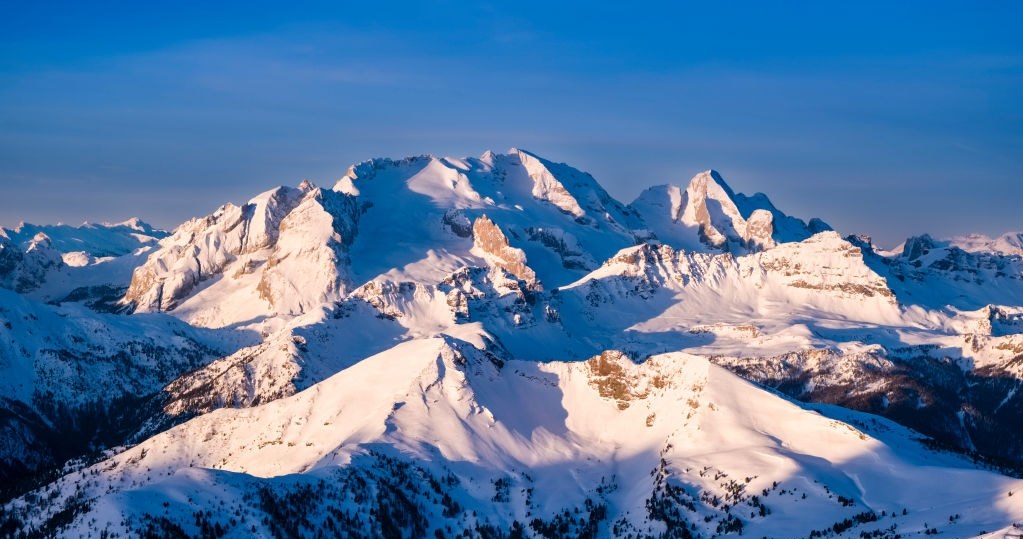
{"x":134,"y":223}
{"x":711,"y":177}
{"x":98,"y":240}
{"x":305,"y":186}
{"x":1010,"y":243}
{"x":711,"y":207}
{"x":520,"y":151}
{"x":708,"y":213}
{"x":40,"y":239}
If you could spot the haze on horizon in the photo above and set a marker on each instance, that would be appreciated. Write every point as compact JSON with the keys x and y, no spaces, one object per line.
{"x":889,"y":120}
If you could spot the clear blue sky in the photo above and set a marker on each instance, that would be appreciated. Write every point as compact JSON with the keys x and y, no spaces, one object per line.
{"x":887,"y":118}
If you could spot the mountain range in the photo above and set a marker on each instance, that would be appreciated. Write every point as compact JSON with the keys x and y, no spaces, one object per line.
{"x":496,"y":347}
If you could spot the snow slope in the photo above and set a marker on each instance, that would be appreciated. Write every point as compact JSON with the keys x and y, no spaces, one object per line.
{"x":72,"y":380}
{"x":674,"y":439}
{"x":1010,"y":243}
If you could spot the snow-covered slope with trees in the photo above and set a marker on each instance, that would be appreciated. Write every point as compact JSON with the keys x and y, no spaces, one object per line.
{"x":493,"y":347}
{"x":444,"y":437}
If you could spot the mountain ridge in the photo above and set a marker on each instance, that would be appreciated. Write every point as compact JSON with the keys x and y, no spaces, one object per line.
{"x":505,"y":299}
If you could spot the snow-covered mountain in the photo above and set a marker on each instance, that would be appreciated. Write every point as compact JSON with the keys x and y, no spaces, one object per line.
{"x":94,"y":261}
{"x":495,"y":347}
{"x":95,"y":240}
{"x":708,"y":213}
{"x":1007,"y":244}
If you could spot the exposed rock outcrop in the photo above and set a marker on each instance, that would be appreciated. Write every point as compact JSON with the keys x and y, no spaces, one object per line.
{"x":492,"y":245}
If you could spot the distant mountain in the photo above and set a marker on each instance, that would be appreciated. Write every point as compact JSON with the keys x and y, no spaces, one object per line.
{"x":94,"y":240}
{"x":707,"y":213}
{"x":496,"y":347}
{"x":1006,"y":244}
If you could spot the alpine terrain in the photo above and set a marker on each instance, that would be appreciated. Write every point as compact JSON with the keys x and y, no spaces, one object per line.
{"x":495,"y":347}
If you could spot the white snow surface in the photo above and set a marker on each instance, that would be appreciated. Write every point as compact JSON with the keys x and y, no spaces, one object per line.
{"x":561,"y":429}
{"x":1010,"y":243}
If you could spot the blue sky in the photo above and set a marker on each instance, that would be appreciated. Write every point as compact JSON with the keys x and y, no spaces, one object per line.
{"x":888,"y":118}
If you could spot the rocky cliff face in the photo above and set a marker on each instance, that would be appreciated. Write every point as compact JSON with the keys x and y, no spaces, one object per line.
{"x":824,"y":272}
{"x":492,"y":245}
{"x":289,"y":242}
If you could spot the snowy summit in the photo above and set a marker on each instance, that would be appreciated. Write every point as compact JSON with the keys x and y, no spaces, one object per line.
{"x":496,"y":347}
